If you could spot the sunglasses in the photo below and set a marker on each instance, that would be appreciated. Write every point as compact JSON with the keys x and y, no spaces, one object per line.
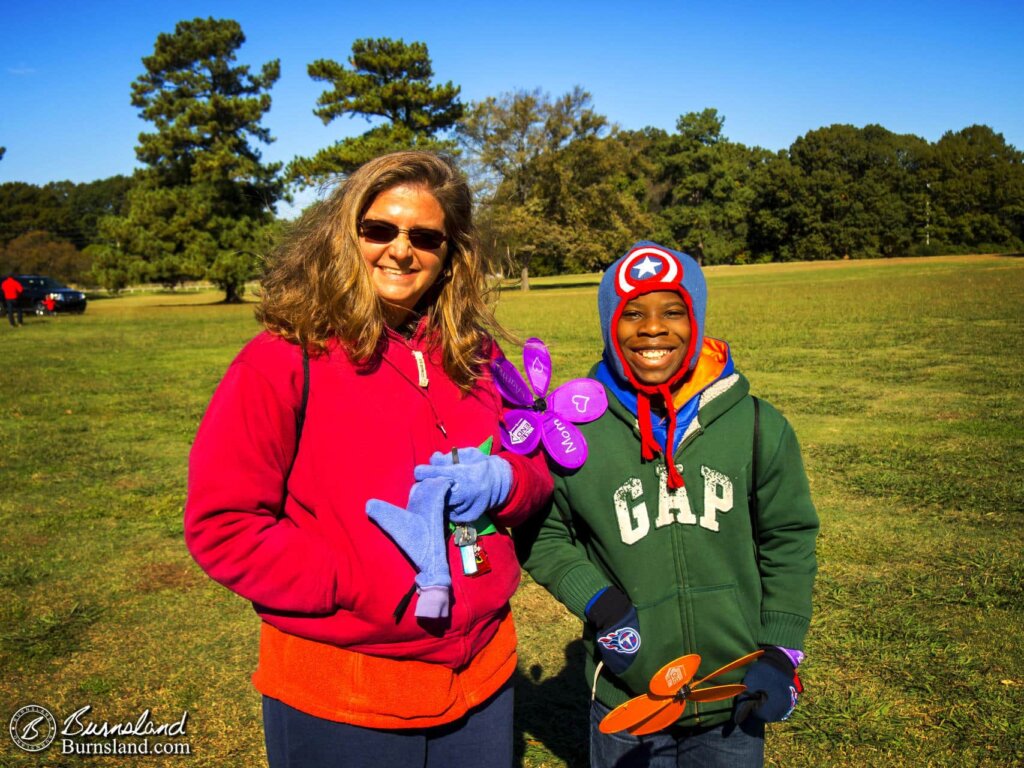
{"x":384,"y":232}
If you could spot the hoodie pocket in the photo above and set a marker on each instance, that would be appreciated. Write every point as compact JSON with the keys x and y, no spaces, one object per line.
{"x":661,"y":641}
{"x":721,"y":630}
{"x":720,"y":633}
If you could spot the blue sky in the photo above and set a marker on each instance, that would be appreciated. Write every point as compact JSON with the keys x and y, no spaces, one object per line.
{"x":773,"y":70}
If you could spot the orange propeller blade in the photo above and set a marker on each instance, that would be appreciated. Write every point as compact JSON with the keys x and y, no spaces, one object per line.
{"x":674,"y":675}
{"x":632,"y":712}
{"x":653,"y":712}
{"x":730,"y":666}
{"x":717,"y":692}
{"x":660,"y":720}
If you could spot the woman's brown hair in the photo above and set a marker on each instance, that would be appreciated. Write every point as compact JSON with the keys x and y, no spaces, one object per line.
{"x":316,"y":286}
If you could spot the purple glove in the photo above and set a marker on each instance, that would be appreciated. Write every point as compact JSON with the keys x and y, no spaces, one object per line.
{"x":419,"y":531}
{"x":479,"y":481}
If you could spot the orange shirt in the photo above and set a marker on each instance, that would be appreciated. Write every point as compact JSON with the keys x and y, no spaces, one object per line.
{"x":374,"y":692}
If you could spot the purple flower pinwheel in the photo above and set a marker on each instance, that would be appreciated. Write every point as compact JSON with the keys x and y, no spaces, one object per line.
{"x":536,"y":416}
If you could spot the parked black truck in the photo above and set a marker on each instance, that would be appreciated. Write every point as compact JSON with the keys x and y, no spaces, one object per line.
{"x":37,"y":289}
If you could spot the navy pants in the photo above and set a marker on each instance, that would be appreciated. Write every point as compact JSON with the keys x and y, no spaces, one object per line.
{"x":481,"y":739}
{"x":9,"y":305}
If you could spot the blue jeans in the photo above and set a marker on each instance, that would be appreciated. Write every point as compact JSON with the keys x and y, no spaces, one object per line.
{"x":723,"y":746}
{"x":481,"y":739}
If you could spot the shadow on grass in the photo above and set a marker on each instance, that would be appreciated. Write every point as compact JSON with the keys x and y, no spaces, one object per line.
{"x":194,"y":304}
{"x":542,"y":287}
{"x":554,"y":713}
{"x":51,"y":635}
{"x":181,"y":296}
{"x":105,"y":297}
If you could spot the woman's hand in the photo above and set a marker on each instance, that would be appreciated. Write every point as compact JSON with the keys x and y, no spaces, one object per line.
{"x":479,"y":481}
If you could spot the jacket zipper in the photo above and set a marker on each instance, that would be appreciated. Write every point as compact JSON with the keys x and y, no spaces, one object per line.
{"x":677,"y":545}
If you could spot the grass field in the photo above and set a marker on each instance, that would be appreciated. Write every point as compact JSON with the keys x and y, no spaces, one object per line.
{"x":903,"y":378}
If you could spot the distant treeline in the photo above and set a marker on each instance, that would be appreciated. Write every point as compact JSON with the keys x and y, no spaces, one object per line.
{"x":559,"y":188}
{"x":47,"y":229}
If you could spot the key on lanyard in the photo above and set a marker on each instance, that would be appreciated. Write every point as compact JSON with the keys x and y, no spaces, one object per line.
{"x":465,"y":540}
{"x":465,"y":537}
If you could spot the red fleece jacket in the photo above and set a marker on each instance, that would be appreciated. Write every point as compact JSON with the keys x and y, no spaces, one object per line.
{"x":300,"y":546}
{"x":12,"y":288}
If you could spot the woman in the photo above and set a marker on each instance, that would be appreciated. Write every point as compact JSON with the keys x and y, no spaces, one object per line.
{"x":382,"y":286}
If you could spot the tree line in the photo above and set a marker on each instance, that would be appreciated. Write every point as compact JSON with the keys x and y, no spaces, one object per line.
{"x":559,"y":188}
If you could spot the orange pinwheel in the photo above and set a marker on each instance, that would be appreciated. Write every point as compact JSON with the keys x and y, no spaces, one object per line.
{"x":669,"y":691}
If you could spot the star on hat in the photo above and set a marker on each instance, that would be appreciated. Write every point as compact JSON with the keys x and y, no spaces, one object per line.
{"x":647,"y":267}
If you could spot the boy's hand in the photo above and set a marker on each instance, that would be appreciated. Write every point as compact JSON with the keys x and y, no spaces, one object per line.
{"x":772,"y":689}
{"x":479,"y":482}
{"x":618,"y":629}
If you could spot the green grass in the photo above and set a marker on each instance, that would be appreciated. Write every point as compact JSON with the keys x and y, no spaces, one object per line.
{"x":903,"y":378}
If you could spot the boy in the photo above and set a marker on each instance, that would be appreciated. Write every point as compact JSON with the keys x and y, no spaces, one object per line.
{"x":662,"y":557}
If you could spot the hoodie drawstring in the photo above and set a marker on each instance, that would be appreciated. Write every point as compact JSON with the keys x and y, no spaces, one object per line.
{"x":675,"y":480}
{"x":649,"y":447}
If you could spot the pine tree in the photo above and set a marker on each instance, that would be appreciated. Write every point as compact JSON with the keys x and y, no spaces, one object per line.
{"x":387,"y":80}
{"x":199,"y":207}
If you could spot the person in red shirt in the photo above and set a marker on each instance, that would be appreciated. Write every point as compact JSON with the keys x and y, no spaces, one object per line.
{"x":373,"y":361}
{"x":12,"y":289}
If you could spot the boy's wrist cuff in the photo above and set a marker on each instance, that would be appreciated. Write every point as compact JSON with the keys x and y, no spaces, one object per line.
{"x":591,"y":601}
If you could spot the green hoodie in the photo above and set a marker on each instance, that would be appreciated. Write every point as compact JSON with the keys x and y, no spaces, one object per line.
{"x":687,"y":559}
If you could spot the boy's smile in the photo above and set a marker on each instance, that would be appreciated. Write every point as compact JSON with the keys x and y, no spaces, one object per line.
{"x":653,"y":334}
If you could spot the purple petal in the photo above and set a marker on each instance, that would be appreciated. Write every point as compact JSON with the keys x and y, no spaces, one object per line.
{"x":579,"y":400}
{"x":520,"y":430}
{"x":537,"y":360}
{"x":510,"y":382}
{"x":563,"y":442}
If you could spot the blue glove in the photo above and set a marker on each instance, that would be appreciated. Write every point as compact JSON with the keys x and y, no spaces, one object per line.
{"x":772,"y":689}
{"x":479,"y":482}
{"x":419,"y":531}
{"x":617,"y":626}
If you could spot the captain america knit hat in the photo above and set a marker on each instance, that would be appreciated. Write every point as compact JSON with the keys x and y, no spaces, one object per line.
{"x":645,"y":268}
